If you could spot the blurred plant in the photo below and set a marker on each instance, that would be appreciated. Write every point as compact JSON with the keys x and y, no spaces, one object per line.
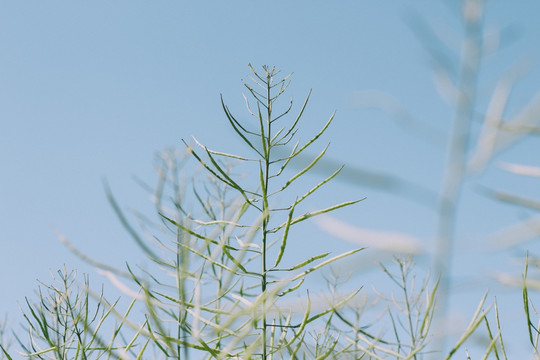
{"x":475,"y":137}
{"x":405,"y":331}
{"x":64,"y":324}
{"x":385,"y":324}
{"x":218,"y":287}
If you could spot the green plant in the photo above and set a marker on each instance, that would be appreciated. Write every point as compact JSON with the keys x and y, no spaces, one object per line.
{"x":65,"y":324}
{"x":528,"y":307}
{"x":5,"y":340}
{"x":262,"y":139}
{"x":219,"y":285}
{"x":232,"y":289}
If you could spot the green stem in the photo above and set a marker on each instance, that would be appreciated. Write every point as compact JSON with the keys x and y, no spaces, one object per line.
{"x":267,"y":140}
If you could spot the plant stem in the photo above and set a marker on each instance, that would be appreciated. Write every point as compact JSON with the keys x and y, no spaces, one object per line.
{"x":404,"y":273}
{"x":266,"y":138}
{"x":457,"y":149}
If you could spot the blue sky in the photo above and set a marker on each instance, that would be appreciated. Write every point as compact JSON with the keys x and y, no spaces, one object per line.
{"x":92,"y":90}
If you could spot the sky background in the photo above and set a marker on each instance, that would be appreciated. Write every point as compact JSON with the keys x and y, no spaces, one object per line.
{"x":93,"y":90}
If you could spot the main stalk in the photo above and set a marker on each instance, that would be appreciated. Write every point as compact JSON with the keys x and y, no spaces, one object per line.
{"x":266,"y":144}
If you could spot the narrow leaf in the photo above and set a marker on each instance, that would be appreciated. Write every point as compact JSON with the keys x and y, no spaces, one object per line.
{"x":324,"y":263}
{"x":285,"y":236}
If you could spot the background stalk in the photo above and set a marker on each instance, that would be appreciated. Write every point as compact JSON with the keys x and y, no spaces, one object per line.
{"x":456,"y":161}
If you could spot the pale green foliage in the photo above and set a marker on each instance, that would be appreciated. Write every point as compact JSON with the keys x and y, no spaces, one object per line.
{"x":66,"y":324}
{"x":5,"y":340}
{"x":219,"y":287}
{"x":251,"y":284}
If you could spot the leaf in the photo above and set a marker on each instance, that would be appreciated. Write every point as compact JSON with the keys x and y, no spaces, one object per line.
{"x":477,"y":318}
{"x":378,"y":239}
{"x":512,"y":199}
{"x":304,"y":170}
{"x":126,"y":224}
{"x":237,"y":126}
{"x":213,"y":152}
{"x":313,"y":139}
{"x":316,"y":187}
{"x":295,"y":123}
{"x":430,"y":309}
{"x":318,"y":212}
{"x":514,"y":234}
{"x":285,"y":236}
{"x":219,"y":177}
{"x":5,"y":353}
{"x":215,"y":262}
{"x":197,"y":235}
{"x":525,"y":294}
{"x":291,"y":289}
{"x":308,"y":261}
{"x":518,"y":169}
{"x":324,"y":263}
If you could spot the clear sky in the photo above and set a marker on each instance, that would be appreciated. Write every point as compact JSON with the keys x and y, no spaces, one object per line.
{"x":92,"y":90}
